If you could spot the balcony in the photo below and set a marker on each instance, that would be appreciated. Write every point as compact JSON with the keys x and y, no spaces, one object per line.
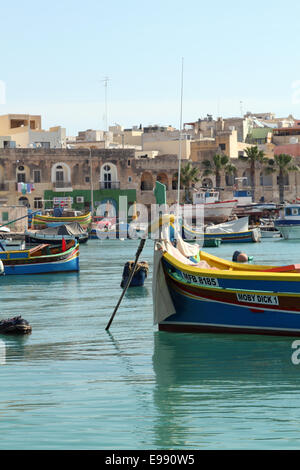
{"x":62,"y":186}
{"x":109,"y":184}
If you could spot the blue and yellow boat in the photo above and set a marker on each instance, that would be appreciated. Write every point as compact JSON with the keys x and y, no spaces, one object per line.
{"x":41,"y":259}
{"x":42,"y":221}
{"x":236,"y":231}
{"x":204,"y":293}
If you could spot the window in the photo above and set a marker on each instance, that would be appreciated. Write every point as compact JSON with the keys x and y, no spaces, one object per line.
{"x":59,"y":175}
{"x":38,"y":203}
{"x":21,"y":177}
{"x":128,"y":162}
{"x":129,"y":179}
{"x":36,"y":176}
{"x":87,"y":179}
{"x":107,"y":180}
{"x":222,"y":146}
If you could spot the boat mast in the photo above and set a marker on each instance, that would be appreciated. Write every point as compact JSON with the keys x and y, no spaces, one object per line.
{"x":180,"y":142}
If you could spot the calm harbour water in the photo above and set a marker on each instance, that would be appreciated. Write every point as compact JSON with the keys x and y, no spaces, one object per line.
{"x":73,"y":385}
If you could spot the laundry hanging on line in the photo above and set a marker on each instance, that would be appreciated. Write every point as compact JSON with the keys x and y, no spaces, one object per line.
{"x":25,"y":188}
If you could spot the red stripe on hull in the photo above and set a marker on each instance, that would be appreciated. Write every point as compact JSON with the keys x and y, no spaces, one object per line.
{"x":285,"y":303}
{"x":176,"y":328}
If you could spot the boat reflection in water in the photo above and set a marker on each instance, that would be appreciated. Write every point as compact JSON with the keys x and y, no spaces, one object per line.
{"x":210,"y":388}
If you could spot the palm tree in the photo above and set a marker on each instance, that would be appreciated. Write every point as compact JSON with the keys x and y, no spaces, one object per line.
{"x":253,"y":156}
{"x":188,"y":177}
{"x":283,"y":163}
{"x":218,"y":163}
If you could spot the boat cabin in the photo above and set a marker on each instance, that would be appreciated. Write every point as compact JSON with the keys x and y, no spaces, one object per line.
{"x":204,"y":197}
{"x":292,"y":211}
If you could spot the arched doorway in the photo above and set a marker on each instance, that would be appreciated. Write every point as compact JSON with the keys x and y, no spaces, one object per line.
{"x":109,"y":177}
{"x":146,"y":181}
{"x":23,"y":201}
{"x":61,"y":175}
{"x":163,"y":179}
{"x":247,"y":181}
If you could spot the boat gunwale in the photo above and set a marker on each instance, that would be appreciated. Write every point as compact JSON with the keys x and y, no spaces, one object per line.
{"x":52,"y":255}
{"x":242,"y":274}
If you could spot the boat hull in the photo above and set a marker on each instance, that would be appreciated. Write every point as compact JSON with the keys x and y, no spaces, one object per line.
{"x":51,"y":221}
{"x":247,"y":236}
{"x":16,"y":263}
{"x":240,"y":303}
{"x":289,"y":231}
{"x":216,"y":212}
{"x":30,"y":239}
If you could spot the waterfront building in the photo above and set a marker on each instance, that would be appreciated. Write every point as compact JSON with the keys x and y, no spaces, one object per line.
{"x":26,"y":131}
{"x":35,"y":177}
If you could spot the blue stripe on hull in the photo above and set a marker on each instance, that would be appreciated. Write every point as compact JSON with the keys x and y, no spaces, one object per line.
{"x":43,"y":268}
{"x":238,"y":284}
{"x":212,"y":316}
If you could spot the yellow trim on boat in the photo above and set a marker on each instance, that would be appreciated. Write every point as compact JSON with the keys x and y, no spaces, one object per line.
{"x":251,"y":274}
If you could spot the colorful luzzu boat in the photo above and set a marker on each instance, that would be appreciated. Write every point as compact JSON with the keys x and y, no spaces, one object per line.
{"x":42,"y":259}
{"x":233,"y":231}
{"x":194,"y":291}
{"x":51,"y":221}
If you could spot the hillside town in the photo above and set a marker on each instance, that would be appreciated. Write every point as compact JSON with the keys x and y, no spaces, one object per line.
{"x":226,"y":154}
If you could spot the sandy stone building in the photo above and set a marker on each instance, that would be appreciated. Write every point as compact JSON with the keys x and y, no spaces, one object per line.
{"x":34,"y":177}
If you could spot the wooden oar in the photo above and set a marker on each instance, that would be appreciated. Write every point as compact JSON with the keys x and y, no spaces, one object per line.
{"x":139,"y":251}
{"x":160,"y":197}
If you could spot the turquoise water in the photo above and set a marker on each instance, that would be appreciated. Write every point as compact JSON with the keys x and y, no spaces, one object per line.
{"x":73,"y":385}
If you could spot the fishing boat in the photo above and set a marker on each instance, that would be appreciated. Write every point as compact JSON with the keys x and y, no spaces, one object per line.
{"x":194,"y":291}
{"x":42,"y":258}
{"x":55,"y":235}
{"x":47,"y":220}
{"x":233,"y":231}
{"x":215,"y":211}
{"x":289,"y":222}
{"x":268,"y":229}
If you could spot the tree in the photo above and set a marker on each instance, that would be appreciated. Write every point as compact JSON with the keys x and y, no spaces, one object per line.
{"x":253,"y":156}
{"x":218,"y":163}
{"x":283,"y":163}
{"x":189,"y":175}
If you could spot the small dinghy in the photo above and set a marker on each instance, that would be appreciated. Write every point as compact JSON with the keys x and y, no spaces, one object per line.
{"x":140,"y":274}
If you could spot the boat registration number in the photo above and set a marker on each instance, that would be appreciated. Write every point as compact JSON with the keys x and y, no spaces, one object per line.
{"x":202,"y":281}
{"x":258,"y":299}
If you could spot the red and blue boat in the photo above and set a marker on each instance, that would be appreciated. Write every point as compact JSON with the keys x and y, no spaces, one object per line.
{"x":199,"y":292}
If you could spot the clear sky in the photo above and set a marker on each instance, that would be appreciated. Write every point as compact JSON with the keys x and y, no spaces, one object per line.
{"x":238,"y":57}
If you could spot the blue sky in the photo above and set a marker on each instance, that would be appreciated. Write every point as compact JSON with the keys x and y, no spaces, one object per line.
{"x":238,"y":56}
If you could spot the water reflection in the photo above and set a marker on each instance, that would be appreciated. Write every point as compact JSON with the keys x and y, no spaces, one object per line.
{"x":12,"y":346}
{"x":137,"y":292}
{"x":202,"y":380}
{"x":2,"y":353}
